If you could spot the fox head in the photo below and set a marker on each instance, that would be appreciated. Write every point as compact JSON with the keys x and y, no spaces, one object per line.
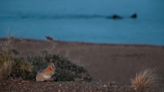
{"x":50,"y":70}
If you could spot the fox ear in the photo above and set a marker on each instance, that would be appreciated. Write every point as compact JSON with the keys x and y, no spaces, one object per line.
{"x":52,"y":65}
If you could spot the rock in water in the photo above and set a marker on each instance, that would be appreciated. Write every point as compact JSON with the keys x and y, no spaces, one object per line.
{"x":134,"y":16}
{"x":115,"y":16}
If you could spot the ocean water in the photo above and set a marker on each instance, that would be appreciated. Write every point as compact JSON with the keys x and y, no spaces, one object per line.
{"x":84,"y":20}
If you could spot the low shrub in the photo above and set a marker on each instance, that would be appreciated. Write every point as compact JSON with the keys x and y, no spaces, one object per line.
{"x":6,"y":64}
{"x":6,"y":60}
{"x":23,"y":69}
{"x":65,"y":70}
{"x":145,"y":80}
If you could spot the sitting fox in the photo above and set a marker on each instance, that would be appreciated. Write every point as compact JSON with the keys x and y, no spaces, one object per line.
{"x":47,"y":73}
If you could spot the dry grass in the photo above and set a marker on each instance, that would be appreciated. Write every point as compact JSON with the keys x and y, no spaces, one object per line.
{"x":6,"y":60}
{"x":145,"y":80}
{"x":22,"y":69}
{"x":9,"y":66}
{"x":5,"y":67}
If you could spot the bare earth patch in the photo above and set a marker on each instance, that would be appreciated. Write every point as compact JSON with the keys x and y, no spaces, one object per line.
{"x":32,"y":86}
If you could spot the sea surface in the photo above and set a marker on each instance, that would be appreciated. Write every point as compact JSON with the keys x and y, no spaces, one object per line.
{"x":84,"y":20}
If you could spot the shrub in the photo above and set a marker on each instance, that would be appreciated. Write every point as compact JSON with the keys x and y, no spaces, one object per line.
{"x":23,"y":69}
{"x":6,"y":60}
{"x":5,"y":66}
{"x":65,"y":70}
{"x":145,"y":80}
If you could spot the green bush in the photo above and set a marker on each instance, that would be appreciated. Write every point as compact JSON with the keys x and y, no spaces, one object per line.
{"x":23,"y":69}
{"x":65,"y":70}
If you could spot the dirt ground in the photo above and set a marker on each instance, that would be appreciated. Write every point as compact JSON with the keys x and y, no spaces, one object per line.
{"x":107,"y":63}
{"x":32,"y":86}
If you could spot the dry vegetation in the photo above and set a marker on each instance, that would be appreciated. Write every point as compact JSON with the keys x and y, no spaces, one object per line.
{"x":145,"y":80}
{"x":6,"y":60}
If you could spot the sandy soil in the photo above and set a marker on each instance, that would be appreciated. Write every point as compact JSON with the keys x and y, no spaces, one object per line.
{"x":32,"y":86}
{"x":104,"y":62}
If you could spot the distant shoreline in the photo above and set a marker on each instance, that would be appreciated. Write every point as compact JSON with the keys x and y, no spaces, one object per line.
{"x":84,"y":43}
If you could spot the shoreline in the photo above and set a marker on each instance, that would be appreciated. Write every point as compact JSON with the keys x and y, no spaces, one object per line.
{"x":83,"y":43}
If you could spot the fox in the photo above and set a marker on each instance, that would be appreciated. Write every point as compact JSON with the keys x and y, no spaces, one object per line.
{"x":47,"y":73}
